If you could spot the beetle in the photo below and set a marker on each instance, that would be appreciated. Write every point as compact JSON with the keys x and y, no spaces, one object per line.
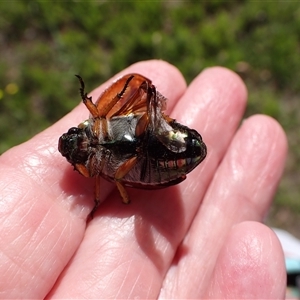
{"x":129,"y":140}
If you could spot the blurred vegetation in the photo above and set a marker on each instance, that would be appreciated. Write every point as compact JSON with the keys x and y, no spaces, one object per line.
{"x":44,"y":43}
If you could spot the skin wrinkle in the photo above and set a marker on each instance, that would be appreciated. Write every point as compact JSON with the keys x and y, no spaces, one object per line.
{"x":123,"y":230}
{"x":36,"y":252}
{"x":108,"y":276}
{"x":12,"y":192}
{"x":36,"y":168}
{"x":248,"y":208}
{"x":19,"y":237}
{"x":250,"y":252}
{"x":90,"y":281}
{"x":30,"y":182}
{"x":18,"y":240}
{"x":271,"y":174}
{"x":65,"y":242}
{"x":264,"y":176}
{"x":31,"y":167}
{"x":149,"y":288}
{"x":45,"y":238}
{"x":25,"y":272}
{"x":125,"y":277}
{"x":10,"y":263}
{"x":89,"y":284}
{"x":260,"y":177}
{"x":198,"y":276}
{"x":237,"y":161}
{"x":135,"y":282}
{"x":42,"y":266}
{"x":239,"y":158}
{"x":19,"y":207}
{"x":235,"y":167}
{"x":180,"y":277}
{"x":115,"y":271}
{"x":224,"y":193}
{"x":115,"y":263}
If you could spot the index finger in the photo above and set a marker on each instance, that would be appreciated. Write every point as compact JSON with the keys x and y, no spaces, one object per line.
{"x":44,"y":203}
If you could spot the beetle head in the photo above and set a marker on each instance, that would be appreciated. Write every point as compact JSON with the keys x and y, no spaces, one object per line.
{"x":73,"y":145}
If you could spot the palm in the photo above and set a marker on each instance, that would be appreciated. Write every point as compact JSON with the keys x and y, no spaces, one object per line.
{"x":200,"y":239}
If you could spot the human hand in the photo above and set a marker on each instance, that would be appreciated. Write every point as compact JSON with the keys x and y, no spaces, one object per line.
{"x":200,"y":239}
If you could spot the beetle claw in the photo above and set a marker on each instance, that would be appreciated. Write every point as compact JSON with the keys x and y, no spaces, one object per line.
{"x":91,"y":214}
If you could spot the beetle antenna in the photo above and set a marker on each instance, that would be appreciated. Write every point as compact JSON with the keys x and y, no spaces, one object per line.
{"x":82,"y":87}
{"x":125,"y":86}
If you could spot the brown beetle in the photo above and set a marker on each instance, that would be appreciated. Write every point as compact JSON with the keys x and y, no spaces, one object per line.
{"x":130,"y":141}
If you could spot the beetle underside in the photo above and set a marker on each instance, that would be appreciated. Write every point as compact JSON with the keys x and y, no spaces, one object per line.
{"x":130,"y":141}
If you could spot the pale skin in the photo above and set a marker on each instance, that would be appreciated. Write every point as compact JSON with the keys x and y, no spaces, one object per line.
{"x":200,"y":239}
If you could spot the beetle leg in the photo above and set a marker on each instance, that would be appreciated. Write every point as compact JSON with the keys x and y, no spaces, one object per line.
{"x":97,"y":198}
{"x":87,"y":100}
{"x":82,"y":169}
{"x":91,"y":106}
{"x":104,"y":107}
{"x":123,"y":192}
{"x":121,"y":172}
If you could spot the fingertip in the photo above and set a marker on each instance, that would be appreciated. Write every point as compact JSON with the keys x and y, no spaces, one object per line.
{"x":160,"y":71}
{"x":167,"y":79}
{"x":267,"y":128}
{"x":251,"y":265}
{"x":261,"y":145}
{"x":226,"y":80}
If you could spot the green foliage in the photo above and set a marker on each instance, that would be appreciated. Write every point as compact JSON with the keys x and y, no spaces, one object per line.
{"x":44,"y":43}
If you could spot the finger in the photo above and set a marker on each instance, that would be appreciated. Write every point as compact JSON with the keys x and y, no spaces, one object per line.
{"x":129,"y":249}
{"x":44,"y":203}
{"x":214,"y":105}
{"x":250,"y":265}
{"x":242,"y":189}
